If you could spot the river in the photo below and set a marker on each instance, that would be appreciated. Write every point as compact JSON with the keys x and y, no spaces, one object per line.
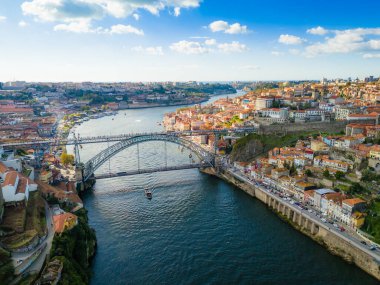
{"x":197,"y":229}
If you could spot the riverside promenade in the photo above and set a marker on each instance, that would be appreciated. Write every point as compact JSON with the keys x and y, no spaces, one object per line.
{"x":341,"y":243}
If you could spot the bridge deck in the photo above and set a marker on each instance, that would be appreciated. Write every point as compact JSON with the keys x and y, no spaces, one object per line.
{"x":149,"y":170}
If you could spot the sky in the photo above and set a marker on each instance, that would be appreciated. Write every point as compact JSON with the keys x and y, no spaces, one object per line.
{"x":181,"y":40}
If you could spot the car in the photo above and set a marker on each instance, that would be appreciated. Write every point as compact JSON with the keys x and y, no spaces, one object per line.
{"x":335,"y":225}
{"x":310,"y":210}
{"x":342,"y":229}
{"x":324,"y":220}
{"x":372,"y":247}
{"x":363,"y":242}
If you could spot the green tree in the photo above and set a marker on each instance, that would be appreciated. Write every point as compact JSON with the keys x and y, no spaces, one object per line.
{"x":339,"y":175}
{"x":309,"y":173}
{"x":326,"y":173}
{"x":356,"y":188}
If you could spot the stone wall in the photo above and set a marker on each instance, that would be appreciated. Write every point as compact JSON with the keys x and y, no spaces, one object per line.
{"x":283,"y":129}
{"x":350,"y":253}
{"x":334,"y":243}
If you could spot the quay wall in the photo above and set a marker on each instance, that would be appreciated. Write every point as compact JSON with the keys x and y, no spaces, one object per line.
{"x":318,"y":231}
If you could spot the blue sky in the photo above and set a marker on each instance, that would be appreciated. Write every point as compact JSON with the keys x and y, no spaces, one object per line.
{"x":179,"y":40}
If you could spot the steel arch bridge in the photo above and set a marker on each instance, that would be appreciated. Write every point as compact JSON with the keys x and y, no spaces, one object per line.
{"x":207,"y":158}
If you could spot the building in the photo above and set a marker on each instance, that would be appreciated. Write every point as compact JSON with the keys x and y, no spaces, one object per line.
{"x":16,"y":188}
{"x":64,"y":221}
{"x":375,"y":152}
{"x":263,"y":102}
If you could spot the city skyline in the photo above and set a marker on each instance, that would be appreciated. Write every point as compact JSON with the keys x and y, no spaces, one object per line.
{"x":181,"y":40}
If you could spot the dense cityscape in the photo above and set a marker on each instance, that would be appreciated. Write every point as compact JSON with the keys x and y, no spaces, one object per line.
{"x":333,"y":175}
{"x":189,"y":142}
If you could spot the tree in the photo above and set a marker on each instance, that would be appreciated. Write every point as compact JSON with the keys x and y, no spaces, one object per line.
{"x":292,"y":170}
{"x":356,"y":188}
{"x":67,"y":158}
{"x":308,"y":173}
{"x":326,"y":173}
{"x":339,"y":175}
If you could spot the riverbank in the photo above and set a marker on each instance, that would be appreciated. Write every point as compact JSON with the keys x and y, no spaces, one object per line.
{"x":334,"y":242}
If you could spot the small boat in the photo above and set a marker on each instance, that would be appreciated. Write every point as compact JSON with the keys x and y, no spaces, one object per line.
{"x":148,"y":194}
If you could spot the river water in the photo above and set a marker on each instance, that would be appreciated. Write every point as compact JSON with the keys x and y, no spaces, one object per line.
{"x":197,"y":229}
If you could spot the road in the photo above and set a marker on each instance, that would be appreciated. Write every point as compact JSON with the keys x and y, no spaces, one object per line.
{"x":274,"y":193}
{"x":37,"y":264}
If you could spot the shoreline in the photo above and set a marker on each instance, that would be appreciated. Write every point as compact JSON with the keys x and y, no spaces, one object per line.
{"x":335,"y":244}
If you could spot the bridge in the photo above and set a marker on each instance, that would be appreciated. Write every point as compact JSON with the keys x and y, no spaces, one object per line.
{"x":149,"y":170}
{"x":124,"y":141}
{"x":116,"y":138}
{"x":207,"y":158}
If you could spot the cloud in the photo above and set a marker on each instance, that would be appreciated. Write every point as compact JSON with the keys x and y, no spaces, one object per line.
{"x":22,"y":24}
{"x":208,"y":46}
{"x":210,"y":42}
{"x":123,"y":29}
{"x":187,"y":47}
{"x":149,"y":50}
{"x":290,"y":40}
{"x":85,"y":26}
{"x":277,"y":53}
{"x":347,"y":41}
{"x":3,"y":19}
{"x":69,"y":10}
{"x":294,"y":51}
{"x":371,"y":55}
{"x":232,"y":47}
{"x":317,"y":31}
{"x":223,"y":26}
{"x":78,"y":15}
{"x":177,"y":11}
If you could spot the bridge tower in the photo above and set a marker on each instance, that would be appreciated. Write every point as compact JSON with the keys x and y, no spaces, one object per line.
{"x":79,"y":168}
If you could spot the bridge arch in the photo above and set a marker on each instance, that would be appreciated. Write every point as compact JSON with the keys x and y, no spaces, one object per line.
{"x":94,"y":163}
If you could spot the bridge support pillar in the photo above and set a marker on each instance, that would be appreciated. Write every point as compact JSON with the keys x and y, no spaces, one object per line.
{"x":79,"y":177}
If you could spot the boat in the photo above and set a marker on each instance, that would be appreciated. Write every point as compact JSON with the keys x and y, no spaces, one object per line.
{"x":148,"y":194}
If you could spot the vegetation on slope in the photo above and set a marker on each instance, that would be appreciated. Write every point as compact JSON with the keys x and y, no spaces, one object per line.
{"x":75,"y":248}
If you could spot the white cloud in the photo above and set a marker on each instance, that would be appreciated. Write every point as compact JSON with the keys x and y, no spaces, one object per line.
{"x":123,"y":29}
{"x":22,"y":24}
{"x":347,"y":41}
{"x":208,"y":46}
{"x":72,"y":10}
{"x":149,"y":50}
{"x":210,"y":42}
{"x":3,"y":19}
{"x":290,"y":40}
{"x":84,"y":26}
{"x":294,"y":51}
{"x":76,"y":27}
{"x":187,"y":47}
{"x":232,"y":47}
{"x":177,"y":11}
{"x":371,"y":55}
{"x":136,"y":16}
{"x":374,"y":44}
{"x":223,"y":26}
{"x":277,"y":53}
{"x":317,"y":31}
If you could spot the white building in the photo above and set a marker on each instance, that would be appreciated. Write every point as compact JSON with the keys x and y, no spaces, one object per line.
{"x":263,"y":103}
{"x":16,"y":187}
